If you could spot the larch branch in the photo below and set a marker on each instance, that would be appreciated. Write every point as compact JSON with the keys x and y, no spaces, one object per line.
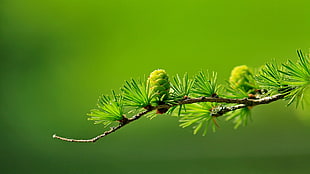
{"x":242,"y":103}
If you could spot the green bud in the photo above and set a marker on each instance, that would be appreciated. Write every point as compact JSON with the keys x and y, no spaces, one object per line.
{"x":241,"y":78}
{"x":159,"y":83}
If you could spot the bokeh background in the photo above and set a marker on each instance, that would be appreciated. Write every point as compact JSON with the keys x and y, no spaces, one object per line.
{"x":58,"y":56}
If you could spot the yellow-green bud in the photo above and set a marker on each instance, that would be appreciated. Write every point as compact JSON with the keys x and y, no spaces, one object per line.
{"x":240,"y":77}
{"x":159,"y":83}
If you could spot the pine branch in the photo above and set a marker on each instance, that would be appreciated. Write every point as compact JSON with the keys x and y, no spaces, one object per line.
{"x":244,"y":90}
{"x":216,"y":113}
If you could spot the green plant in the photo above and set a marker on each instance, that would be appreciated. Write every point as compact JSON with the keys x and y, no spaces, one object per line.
{"x":200,"y":101}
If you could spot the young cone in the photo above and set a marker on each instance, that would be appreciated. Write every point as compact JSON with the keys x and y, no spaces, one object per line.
{"x":159,"y":83}
{"x":240,"y":78}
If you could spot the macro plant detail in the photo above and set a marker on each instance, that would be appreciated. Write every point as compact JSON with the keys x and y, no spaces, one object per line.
{"x":200,"y":101}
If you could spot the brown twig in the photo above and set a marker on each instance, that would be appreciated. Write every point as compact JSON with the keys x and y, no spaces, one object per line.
{"x":219,"y":111}
{"x":223,"y":110}
{"x":247,"y":103}
{"x":112,"y":129}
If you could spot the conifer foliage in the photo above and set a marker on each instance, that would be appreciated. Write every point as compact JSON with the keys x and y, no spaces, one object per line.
{"x":200,"y":101}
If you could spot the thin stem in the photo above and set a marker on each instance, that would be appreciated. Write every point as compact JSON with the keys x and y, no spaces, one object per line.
{"x":112,"y":129}
{"x":219,"y":111}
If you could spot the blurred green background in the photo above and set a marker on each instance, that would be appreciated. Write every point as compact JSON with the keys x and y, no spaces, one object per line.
{"x":58,"y":56}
